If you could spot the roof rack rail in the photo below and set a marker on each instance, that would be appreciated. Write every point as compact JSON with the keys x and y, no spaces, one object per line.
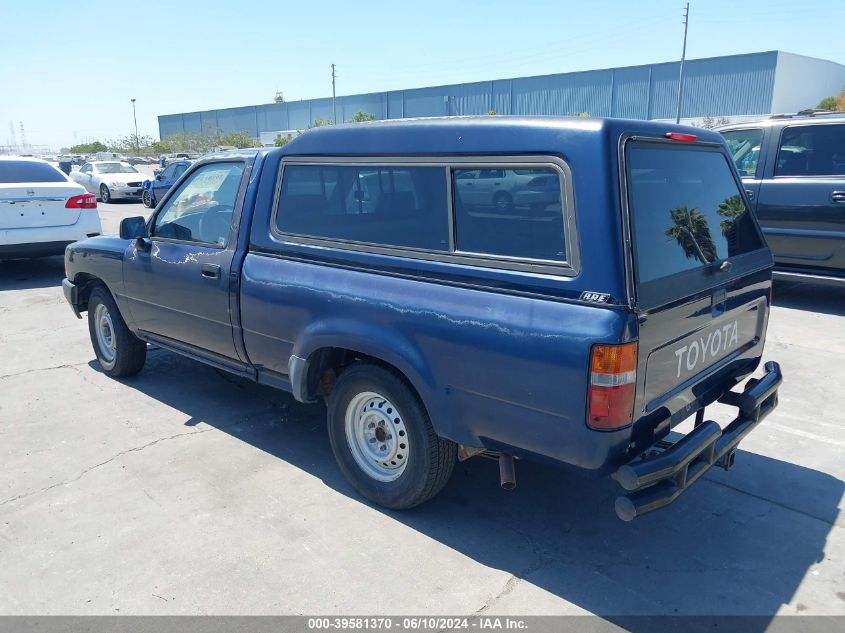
{"x":812,"y":112}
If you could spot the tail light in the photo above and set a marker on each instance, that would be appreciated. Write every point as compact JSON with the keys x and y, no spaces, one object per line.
{"x":82,"y":201}
{"x":613,"y":382}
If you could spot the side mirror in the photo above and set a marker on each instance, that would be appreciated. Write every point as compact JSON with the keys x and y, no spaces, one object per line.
{"x":133,"y":228}
{"x":157,"y":173}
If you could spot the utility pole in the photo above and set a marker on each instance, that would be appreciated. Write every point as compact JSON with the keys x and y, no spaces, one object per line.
{"x":683,"y":58}
{"x":135,"y":118}
{"x":334,"y":98}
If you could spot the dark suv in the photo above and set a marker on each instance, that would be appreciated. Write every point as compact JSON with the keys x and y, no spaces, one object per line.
{"x":793,"y":169}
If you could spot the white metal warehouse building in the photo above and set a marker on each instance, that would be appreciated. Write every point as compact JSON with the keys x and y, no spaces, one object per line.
{"x":735,"y":86}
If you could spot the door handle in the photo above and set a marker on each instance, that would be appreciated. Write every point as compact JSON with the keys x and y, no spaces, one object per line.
{"x":750,"y":194}
{"x":838,"y":196}
{"x":211,"y":271}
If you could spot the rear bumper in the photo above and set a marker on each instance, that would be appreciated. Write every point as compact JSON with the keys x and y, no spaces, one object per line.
{"x":657,"y":479}
{"x":33,"y":249}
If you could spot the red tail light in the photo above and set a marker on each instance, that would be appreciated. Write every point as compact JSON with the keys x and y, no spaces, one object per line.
{"x":613,"y":382}
{"x":82,"y":201}
{"x":680,"y":136}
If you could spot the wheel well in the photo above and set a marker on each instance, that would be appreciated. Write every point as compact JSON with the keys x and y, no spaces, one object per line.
{"x":325,"y":364}
{"x":85,"y":284}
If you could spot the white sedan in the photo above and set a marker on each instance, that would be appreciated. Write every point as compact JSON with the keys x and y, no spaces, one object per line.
{"x":41,"y":210}
{"x":110,"y":180}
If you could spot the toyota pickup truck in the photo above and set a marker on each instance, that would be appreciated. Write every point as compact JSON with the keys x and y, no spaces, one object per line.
{"x":623,"y":288}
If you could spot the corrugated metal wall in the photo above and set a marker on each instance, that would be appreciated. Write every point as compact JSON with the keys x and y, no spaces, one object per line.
{"x":719,"y":86}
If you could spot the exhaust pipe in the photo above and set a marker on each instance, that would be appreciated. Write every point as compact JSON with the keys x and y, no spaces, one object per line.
{"x":507,"y":472}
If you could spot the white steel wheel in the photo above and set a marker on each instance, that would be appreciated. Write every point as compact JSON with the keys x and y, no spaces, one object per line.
{"x":119,"y":351}
{"x":376,"y":435}
{"x":104,"y":328}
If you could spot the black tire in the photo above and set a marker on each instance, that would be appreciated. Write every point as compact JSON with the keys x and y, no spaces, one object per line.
{"x":503,"y":202}
{"x":105,"y":194}
{"x":147,"y":198}
{"x":129,"y":352}
{"x":430,"y":459}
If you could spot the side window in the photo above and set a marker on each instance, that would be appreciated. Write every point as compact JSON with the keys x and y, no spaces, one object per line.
{"x":811,"y":150}
{"x":167,"y":174}
{"x":178,"y":170}
{"x":386,"y":205}
{"x":201,"y":209}
{"x":86,"y":168}
{"x":522,"y":218}
{"x":744,"y":146}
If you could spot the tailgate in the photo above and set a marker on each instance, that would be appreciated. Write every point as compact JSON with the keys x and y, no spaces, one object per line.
{"x":702,"y":273}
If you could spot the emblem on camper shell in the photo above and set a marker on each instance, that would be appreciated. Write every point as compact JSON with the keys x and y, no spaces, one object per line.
{"x":596,"y":297}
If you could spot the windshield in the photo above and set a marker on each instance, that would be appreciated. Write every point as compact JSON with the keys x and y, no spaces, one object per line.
{"x":116,"y":168}
{"x":687,"y":210}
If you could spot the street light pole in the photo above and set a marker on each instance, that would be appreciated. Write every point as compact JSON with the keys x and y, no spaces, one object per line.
{"x":334,"y":98}
{"x":135,"y":118}
{"x":683,"y":59}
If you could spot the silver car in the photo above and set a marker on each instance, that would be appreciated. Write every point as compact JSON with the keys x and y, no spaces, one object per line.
{"x":110,"y":180}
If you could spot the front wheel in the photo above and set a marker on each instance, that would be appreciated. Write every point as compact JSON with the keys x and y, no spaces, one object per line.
{"x":147,"y":199}
{"x":105,"y":194}
{"x":119,"y":352}
{"x":383,"y":440}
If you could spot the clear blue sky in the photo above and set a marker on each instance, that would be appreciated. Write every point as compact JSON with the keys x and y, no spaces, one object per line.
{"x":71,"y":66}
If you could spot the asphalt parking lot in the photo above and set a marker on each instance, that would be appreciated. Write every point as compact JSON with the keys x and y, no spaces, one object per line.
{"x":188,"y":491}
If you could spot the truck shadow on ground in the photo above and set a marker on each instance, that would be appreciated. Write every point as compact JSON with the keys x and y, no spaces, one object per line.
{"x":736,"y":543}
{"x":43,"y":272}
{"x":809,"y":297}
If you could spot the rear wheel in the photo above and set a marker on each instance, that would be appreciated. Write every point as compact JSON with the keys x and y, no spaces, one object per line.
{"x":105,"y":194}
{"x":119,"y":352}
{"x":383,"y":440}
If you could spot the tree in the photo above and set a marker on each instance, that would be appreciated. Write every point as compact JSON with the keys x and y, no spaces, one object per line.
{"x":237,"y":139}
{"x":132,"y":144}
{"x":362,"y":117}
{"x":322,"y":122}
{"x":184,"y":142}
{"x":828,"y":103}
{"x":89,"y":148}
{"x":709,"y":122}
{"x":840,"y":101}
{"x":690,"y":229}
{"x":281,"y":141}
{"x":492,"y":113}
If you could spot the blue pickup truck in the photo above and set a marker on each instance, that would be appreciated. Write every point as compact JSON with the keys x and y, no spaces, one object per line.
{"x":621,"y":289}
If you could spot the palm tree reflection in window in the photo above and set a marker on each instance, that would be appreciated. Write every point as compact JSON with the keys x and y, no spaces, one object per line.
{"x":691,"y":231}
{"x":731,"y":209}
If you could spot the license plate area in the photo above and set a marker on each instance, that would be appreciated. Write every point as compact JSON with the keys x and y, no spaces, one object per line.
{"x":683,"y":362}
